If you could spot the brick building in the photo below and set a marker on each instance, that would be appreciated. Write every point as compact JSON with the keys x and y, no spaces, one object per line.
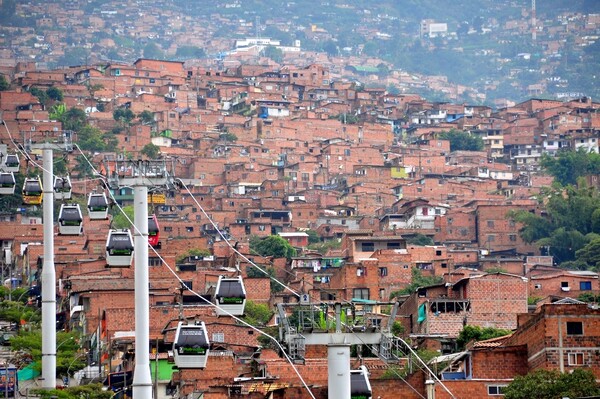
{"x":486,"y":300}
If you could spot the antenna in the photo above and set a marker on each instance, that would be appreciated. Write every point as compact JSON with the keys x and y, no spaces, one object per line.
{"x":533,"y":21}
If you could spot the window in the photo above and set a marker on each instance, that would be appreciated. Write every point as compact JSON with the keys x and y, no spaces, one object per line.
{"x":438,"y":253}
{"x":576,"y":359}
{"x":496,"y":389}
{"x":538,"y":286}
{"x":564,"y":284}
{"x":444,"y":265}
{"x":585,"y":285}
{"x":574,"y":328}
{"x":218,"y":337}
{"x":491,"y":238}
{"x":383,"y":271}
{"x":189,"y":229}
{"x":368,"y":247}
{"x":490,"y":223}
{"x":261,"y":228}
{"x":154,"y":261}
{"x":327,"y":296}
{"x":512,"y":237}
{"x":188,"y":284}
{"x":361,"y":271}
{"x":393,"y":245}
{"x":168,"y":228}
{"x":360,"y":293}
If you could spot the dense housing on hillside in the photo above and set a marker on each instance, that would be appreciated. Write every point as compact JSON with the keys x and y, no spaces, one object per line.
{"x":267,"y":151}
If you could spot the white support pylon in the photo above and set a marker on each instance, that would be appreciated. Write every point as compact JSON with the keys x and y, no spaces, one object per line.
{"x":142,"y":380}
{"x":48,"y":278}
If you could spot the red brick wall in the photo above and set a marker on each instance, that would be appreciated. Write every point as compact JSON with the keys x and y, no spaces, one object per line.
{"x":466,"y":389}
{"x":544,"y":333}
{"x":496,"y":300}
{"x":499,"y":363}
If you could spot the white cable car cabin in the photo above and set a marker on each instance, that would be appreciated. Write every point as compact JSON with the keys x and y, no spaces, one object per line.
{"x":11,"y":163}
{"x":62,"y":188}
{"x":7,"y":183}
{"x":230,"y":296}
{"x":191,"y":346}
{"x":97,"y":206}
{"x":119,"y":248}
{"x":70,"y":220}
{"x":360,"y":387}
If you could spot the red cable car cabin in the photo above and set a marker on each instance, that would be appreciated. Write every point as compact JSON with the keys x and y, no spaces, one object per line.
{"x":153,"y":231}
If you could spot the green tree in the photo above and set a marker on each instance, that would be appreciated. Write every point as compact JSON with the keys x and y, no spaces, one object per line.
{"x":551,"y":384}
{"x":74,"y":56}
{"x":40,"y":94}
{"x":91,"y":139}
{"x":257,"y":314}
{"x":231,"y":137}
{"x":146,"y":117}
{"x":419,"y":239}
{"x":397,"y":329}
{"x":590,"y":254}
{"x":151,"y":151}
{"x":313,"y":237}
{"x":123,"y":115}
{"x":120,"y":220}
{"x":57,"y":111}
{"x":54,"y":93}
{"x":475,"y":333}
{"x":67,"y":347}
{"x":193,"y":252}
{"x":74,"y":119}
{"x":15,"y":312}
{"x":187,"y":52}
{"x":462,"y":141}
{"x":568,"y":165}
{"x":273,"y":53}
{"x":90,"y":391}
{"x":4,"y":83}
{"x":153,"y":52}
{"x":417,"y":281}
{"x":330,"y":47}
{"x":275,"y":246}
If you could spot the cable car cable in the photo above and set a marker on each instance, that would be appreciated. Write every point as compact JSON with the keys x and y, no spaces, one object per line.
{"x":206,"y":300}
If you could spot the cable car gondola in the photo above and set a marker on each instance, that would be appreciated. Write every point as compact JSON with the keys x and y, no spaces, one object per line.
{"x":119,"y":248}
{"x":7,"y":183}
{"x":191,"y":346}
{"x":153,"y":231}
{"x":230,"y":296}
{"x":11,"y":163}
{"x":70,"y":220}
{"x":97,"y":206}
{"x":33,"y":192}
{"x":62,"y":188}
{"x":360,"y":387}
